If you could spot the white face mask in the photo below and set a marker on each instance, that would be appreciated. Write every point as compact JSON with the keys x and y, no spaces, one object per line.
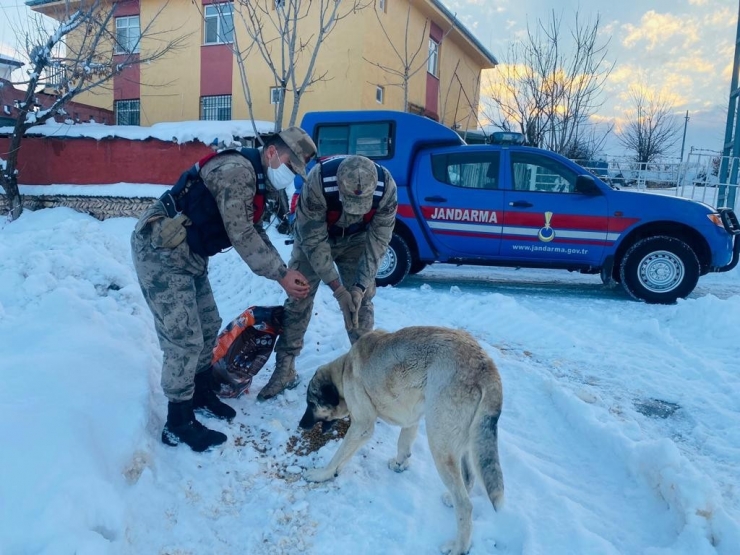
{"x":280,"y":177}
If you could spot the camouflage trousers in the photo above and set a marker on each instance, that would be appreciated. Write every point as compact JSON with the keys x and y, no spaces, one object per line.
{"x":346,"y":253}
{"x":175,"y":284}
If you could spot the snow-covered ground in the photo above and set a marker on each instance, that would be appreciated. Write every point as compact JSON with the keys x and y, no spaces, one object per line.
{"x":620,"y":432}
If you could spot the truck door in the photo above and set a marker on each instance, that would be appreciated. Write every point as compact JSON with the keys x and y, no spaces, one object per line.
{"x":460,"y":201}
{"x":545,"y":218}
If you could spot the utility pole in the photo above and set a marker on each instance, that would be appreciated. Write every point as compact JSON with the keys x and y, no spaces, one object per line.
{"x":683,"y":142}
{"x":731,"y":148}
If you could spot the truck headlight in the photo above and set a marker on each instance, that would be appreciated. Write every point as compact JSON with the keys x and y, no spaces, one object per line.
{"x":715,"y":219}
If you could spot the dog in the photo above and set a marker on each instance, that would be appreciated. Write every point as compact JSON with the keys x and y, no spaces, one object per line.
{"x":440,"y":373}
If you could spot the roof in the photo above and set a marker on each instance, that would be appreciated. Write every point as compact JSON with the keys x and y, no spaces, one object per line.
{"x":7,"y":60}
{"x":462,"y":28}
{"x":436,"y":3}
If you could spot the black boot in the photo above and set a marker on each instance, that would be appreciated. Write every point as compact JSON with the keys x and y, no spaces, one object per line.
{"x":205,"y":401}
{"x":182,"y":427}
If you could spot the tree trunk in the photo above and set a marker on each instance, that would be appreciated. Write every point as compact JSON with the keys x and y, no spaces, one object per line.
{"x":10,"y":174}
{"x":296,"y":105}
{"x":406,"y":78}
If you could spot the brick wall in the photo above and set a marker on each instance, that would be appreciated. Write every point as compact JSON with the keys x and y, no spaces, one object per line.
{"x":79,"y":161}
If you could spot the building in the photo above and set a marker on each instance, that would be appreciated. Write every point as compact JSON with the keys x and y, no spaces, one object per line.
{"x":201,"y":80}
{"x":7,"y":66}
{"x":11,"y":96}
{"x":7,"y":94}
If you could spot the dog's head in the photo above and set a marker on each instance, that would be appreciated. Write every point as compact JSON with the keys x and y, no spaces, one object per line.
{"x":324,"y":404}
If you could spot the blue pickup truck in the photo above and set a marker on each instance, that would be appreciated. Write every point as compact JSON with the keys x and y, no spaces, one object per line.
{"x":510,"y":205}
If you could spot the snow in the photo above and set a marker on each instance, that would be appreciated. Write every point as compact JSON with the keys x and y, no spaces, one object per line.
{"x":180,"y":132}
{"x":620,"y":431}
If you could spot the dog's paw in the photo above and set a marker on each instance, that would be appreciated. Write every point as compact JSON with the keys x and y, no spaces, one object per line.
{"x":395,"y":466}
{"x":453,"y":548}
{"x":318,"y":475}
{"x":447,"y":499}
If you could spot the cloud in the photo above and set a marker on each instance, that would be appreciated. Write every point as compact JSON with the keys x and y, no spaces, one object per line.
{"x":657,"y":29}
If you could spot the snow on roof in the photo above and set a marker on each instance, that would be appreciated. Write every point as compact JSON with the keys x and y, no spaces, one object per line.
{"x":179,"y":131}
{"x":10,"y":61}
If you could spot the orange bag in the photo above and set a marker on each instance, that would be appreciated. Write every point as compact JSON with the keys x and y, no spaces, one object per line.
{"x":243,"y":347}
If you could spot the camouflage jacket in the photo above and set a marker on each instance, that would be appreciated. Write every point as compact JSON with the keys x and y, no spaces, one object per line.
{"x":232,"y":181}
{"x":313,"y":238}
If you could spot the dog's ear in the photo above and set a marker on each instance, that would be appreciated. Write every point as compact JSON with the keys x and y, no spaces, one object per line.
{"x":330,"y":394}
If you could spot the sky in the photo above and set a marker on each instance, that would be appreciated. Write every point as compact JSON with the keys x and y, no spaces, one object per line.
{"x":620,"y":431}
{"x":681,"y":48}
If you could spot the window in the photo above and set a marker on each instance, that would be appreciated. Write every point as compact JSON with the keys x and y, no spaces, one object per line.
{"x":379,"y":94}
{"x":433,"y":60}
{"x":368,"y":139}
{"x":276,"y":94}
{"x":472,"y":170}
{"x":127,"y":112}
{"x":534,"y":172}
{"x":215,"y":107}
{"x":219,"y":23}
{"x":381,"y":6}
{"x":279,"y":4}
{"x":127,"y":35}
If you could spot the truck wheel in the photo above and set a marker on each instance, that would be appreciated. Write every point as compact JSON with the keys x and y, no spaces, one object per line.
{"x":395,"y":264}
{"x":416,"y":267}
{"x":659,"y":270}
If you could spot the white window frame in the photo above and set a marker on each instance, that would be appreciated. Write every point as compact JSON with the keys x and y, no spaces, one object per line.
{"x":433,"y":60}
{"x":381,"y":5}
{"x":275,"y":98}
{"x":379,"y":94}
{"x":223,"y":14}
{"x":130,"y":45}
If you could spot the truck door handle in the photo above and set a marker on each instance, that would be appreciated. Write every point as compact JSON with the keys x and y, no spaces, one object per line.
{"x":435,"y":198}
{"x":521,"y":204}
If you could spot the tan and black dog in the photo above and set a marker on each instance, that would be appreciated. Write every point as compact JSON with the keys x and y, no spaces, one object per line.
{"x":440,"y":373}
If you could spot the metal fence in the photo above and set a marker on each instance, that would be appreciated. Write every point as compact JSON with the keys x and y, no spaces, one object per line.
{"x":711,"y":178}
{"x":705,"y":176}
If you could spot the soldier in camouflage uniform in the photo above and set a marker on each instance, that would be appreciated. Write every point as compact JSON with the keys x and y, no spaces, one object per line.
{"x":344,"y":221}
{"x":216,"y":204}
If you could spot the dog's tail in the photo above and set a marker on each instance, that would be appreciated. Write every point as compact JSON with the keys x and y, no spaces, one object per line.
{"x":485,"y":446}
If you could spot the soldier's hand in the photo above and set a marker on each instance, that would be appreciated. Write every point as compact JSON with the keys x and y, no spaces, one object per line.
{"x":357,"y":294}
{"x":347,"y":305}
{"x":295,"y":284}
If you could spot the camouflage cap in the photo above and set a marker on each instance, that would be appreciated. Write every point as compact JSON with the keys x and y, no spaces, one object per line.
{"x":357,"y":178}
{"x":302,"y":148}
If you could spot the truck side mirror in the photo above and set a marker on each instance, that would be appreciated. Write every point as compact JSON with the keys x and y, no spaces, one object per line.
{"x":585,"y":184}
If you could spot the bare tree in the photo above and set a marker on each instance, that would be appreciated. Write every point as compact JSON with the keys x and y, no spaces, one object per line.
{"x":462,"y":98}
{"x":652,"y":129}
{"x":550,"y":85}
{"x":288,"y":35}
{"x":78,"y":52}
{"x":412,"y":58}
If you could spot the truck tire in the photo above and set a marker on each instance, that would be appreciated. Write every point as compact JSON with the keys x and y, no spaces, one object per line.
{"x":417,"y":267}
{"x":395,"y":264}
{"x":659,"y":270}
